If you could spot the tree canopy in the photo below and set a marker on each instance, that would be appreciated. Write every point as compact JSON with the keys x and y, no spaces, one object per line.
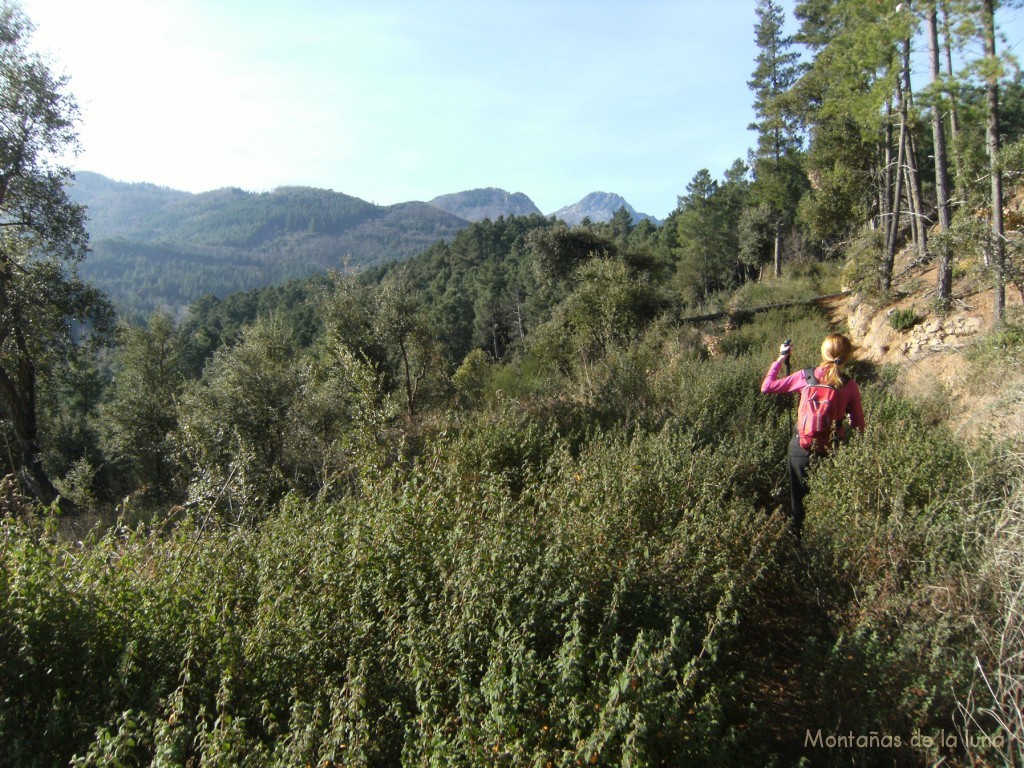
{"x":43,"y":238}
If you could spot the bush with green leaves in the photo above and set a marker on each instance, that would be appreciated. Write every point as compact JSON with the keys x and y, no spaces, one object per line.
{"x":797,"y":285}
{"x":761,"y":336}
{"x":862,"y":268}
{"x":1003,"y":346}
{"x":903,"y":319}
{"x":138,"y":417}
{"x":605,"y":581}
{"x":992,"y":709}
{"x":264,"y":421}
{"x":232,"y":422}
{"x":436,"y":618}
{"x":890,"y":545}
{"x":470,"y":378}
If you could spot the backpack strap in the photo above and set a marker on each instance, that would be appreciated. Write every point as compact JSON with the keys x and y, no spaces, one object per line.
{"x":812,"y":381}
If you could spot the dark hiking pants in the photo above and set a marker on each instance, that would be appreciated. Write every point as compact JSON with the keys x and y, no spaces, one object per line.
{"x":799,"y":460}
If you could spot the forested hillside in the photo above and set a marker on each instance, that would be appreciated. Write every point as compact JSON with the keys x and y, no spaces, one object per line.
{"x":510,"y":501}
{"x":155,"y":248}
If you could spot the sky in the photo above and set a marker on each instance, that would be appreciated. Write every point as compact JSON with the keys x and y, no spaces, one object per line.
{"x":399,"y":100}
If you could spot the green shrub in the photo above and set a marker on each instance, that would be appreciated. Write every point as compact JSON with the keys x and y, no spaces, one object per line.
{"x":882,"y":533}
{"x":795,"y":285}
{"x":264,"y":422}
{"x":470,"y":378}
{"x":443,"y":617}
{"x":761,"y":338}
{"x":903,"y":319}
{"x":1003,"y":346}
{"x":992,"y":706}
{"x":861,"y":272}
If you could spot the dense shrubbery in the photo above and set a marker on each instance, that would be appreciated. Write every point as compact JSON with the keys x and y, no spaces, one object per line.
{"x":567,"y":548}
{"x":801,"y":282}
{"x":439,"y":618}
{"x":582,"y":568}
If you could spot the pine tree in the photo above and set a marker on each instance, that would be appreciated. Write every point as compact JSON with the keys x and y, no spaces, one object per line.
{"x":992,"y":71}
{"x":859,"y":115}
{"x":706,"y":238}
{"x":139,"y":418}
{"x":779,"y":179}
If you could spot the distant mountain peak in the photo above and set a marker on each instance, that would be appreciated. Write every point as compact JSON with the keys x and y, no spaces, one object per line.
{"x":488,"y":203}
{"x":598,"y":207}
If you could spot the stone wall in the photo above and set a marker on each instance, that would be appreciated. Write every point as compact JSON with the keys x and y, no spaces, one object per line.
{"x":940,"y":334}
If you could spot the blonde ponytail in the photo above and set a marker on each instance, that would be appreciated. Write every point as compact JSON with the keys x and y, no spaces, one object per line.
{"x":836,"y":351}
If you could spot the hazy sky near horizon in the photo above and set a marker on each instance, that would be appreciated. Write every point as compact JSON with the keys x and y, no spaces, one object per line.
{"x":400,"y":100}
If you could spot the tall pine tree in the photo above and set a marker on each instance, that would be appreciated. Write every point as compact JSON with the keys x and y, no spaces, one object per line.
{"x":779,"y":179}
{"x":706,"y":236}
{"x":857,"y":109}
{"x":992,"y":72}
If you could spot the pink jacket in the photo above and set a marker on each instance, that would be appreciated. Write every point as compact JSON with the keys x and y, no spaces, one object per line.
{"x":849,"y":395}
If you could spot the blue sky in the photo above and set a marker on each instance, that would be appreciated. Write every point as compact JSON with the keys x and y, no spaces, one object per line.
{"x":398,"y":100}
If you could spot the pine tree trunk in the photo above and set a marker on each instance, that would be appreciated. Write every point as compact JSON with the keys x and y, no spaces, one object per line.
{"x":20,"y":399}
{"x":954,"y":119}
{"x":996,"y":174}
{"x":778,"y":252}
{"x":410,"y":391}
{"x":892,"y":233}
{"x":945,"y":270}
{"x":519,"y":316}
{"x":914,"y":197}
{"x":18,"y":390}
{"x":911,"y":167}
{"x":885,"y":189}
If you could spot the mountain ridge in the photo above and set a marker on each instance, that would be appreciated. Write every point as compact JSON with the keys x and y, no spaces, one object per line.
{"x":154,"y":247}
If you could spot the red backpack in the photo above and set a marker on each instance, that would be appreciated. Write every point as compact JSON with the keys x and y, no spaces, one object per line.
{"x":817,"y":414}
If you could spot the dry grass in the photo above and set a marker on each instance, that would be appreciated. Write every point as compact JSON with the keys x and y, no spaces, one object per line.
{"x":993,"y":711}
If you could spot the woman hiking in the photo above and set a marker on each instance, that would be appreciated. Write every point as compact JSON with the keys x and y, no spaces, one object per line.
{"x":827,"y":397}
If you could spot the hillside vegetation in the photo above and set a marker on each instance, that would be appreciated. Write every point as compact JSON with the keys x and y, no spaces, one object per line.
{"x":511,"y":501}
{"x":154,"y":248}
{"x":575,"y":556}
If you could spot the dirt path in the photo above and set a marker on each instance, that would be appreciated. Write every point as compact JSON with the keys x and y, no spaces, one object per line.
{"x":787,"y":637}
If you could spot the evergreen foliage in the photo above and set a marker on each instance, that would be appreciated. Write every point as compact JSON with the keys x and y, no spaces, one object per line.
{"x":42,"y":242}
